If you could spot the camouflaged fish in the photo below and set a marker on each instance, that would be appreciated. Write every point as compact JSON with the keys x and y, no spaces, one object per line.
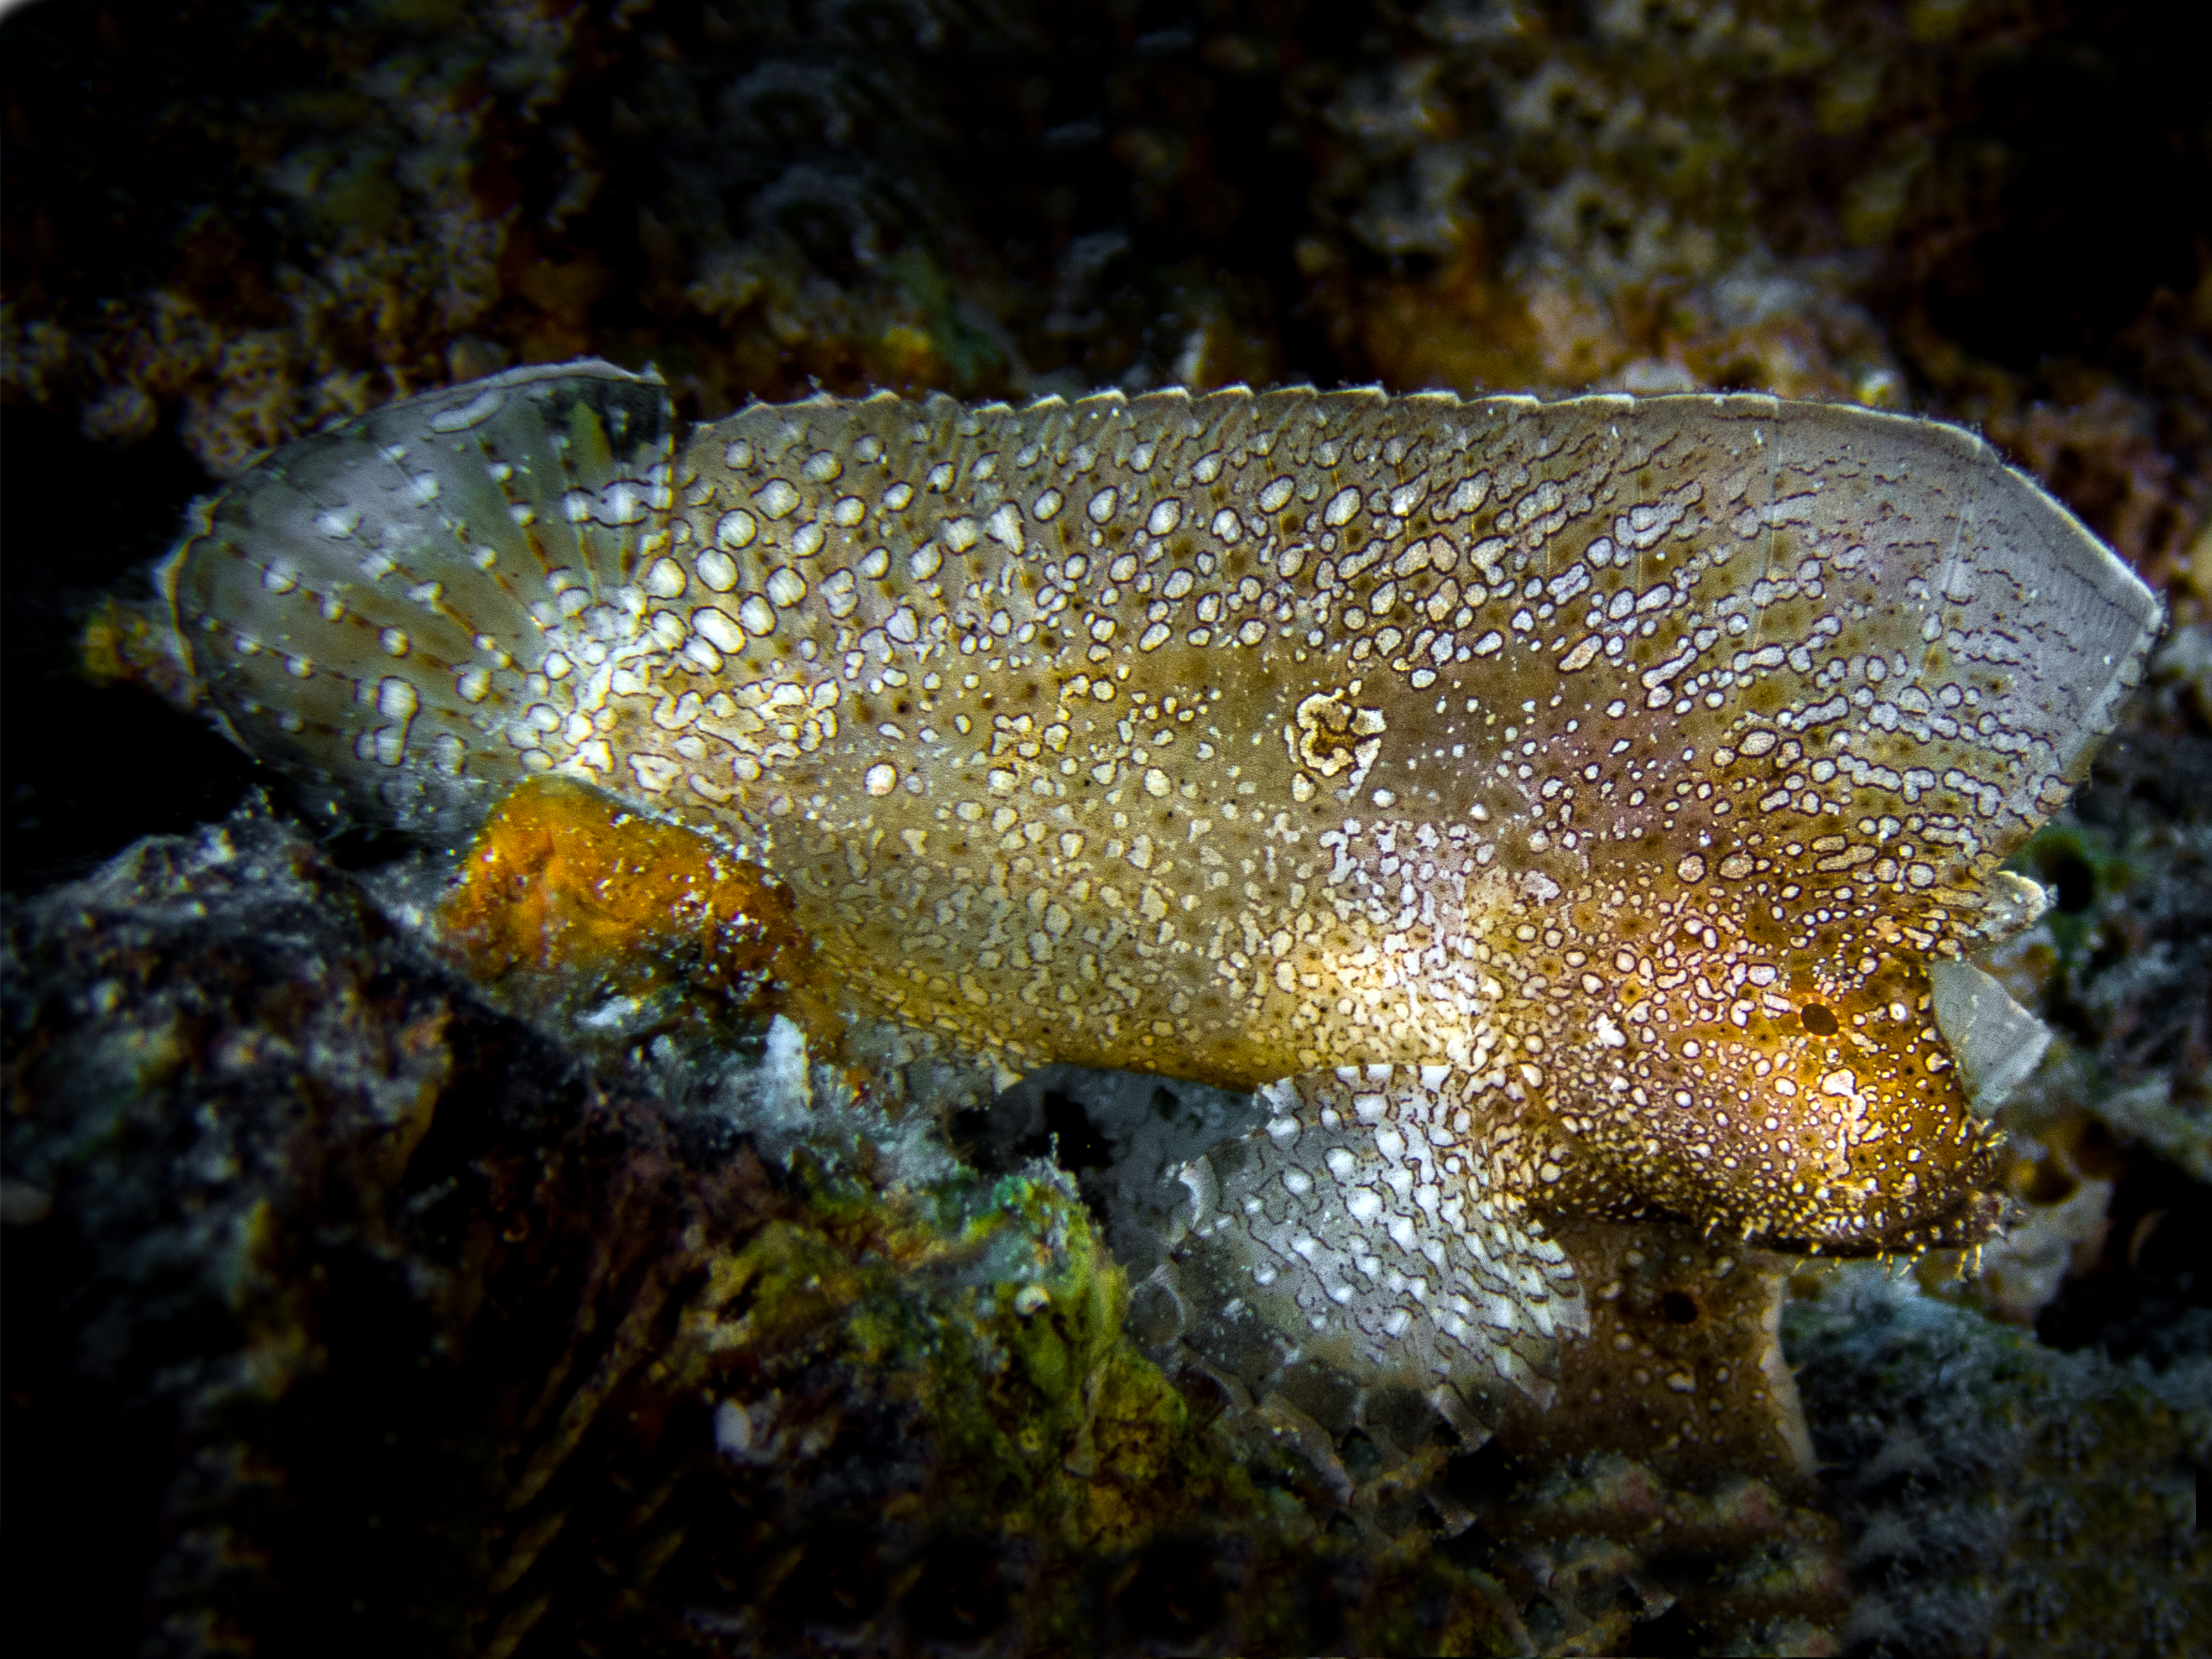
{"x":1572,"y":808}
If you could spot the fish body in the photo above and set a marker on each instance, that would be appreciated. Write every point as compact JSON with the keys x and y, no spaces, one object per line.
{"x":1563,"y":804}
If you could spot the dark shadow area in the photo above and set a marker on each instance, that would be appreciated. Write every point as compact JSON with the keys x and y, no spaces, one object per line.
{"x":960,"y":1599}
{"x":2070,"y":179}
{"x":1176,"y":1594}
{"x":1670,"y":1636}
{"x":89,"y":768}
{"x":2149,"y":1291}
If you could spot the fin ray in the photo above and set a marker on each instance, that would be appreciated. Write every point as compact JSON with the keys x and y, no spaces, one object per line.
{"x":1359,"y":1228}
{"x":370,"y":607}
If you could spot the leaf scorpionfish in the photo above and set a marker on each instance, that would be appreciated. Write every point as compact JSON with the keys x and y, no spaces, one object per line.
{"x":1565,"y":808}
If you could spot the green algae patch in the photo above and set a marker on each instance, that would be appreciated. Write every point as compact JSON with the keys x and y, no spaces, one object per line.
{"x":2083,"y":864}
{"x":983,"y":1320}
{"x":992,"y":1315}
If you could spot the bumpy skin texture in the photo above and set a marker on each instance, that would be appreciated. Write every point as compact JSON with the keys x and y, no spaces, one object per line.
{"x":1623,"y":763}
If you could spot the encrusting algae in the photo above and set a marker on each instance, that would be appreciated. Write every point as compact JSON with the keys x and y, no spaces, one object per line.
{"x":1575,"y":808}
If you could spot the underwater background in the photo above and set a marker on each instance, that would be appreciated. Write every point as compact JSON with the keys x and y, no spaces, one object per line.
{"x":370,"y":1286}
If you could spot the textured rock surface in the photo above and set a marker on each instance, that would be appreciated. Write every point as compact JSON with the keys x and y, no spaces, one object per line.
{"x":339,"y":1304}
{"x":1998,"y":1497}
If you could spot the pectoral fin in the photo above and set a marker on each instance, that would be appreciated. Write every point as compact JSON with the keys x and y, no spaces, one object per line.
{"x":1355,"y":1232}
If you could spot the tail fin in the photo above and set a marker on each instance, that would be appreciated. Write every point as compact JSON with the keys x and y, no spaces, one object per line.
{"x":367,"y":607}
